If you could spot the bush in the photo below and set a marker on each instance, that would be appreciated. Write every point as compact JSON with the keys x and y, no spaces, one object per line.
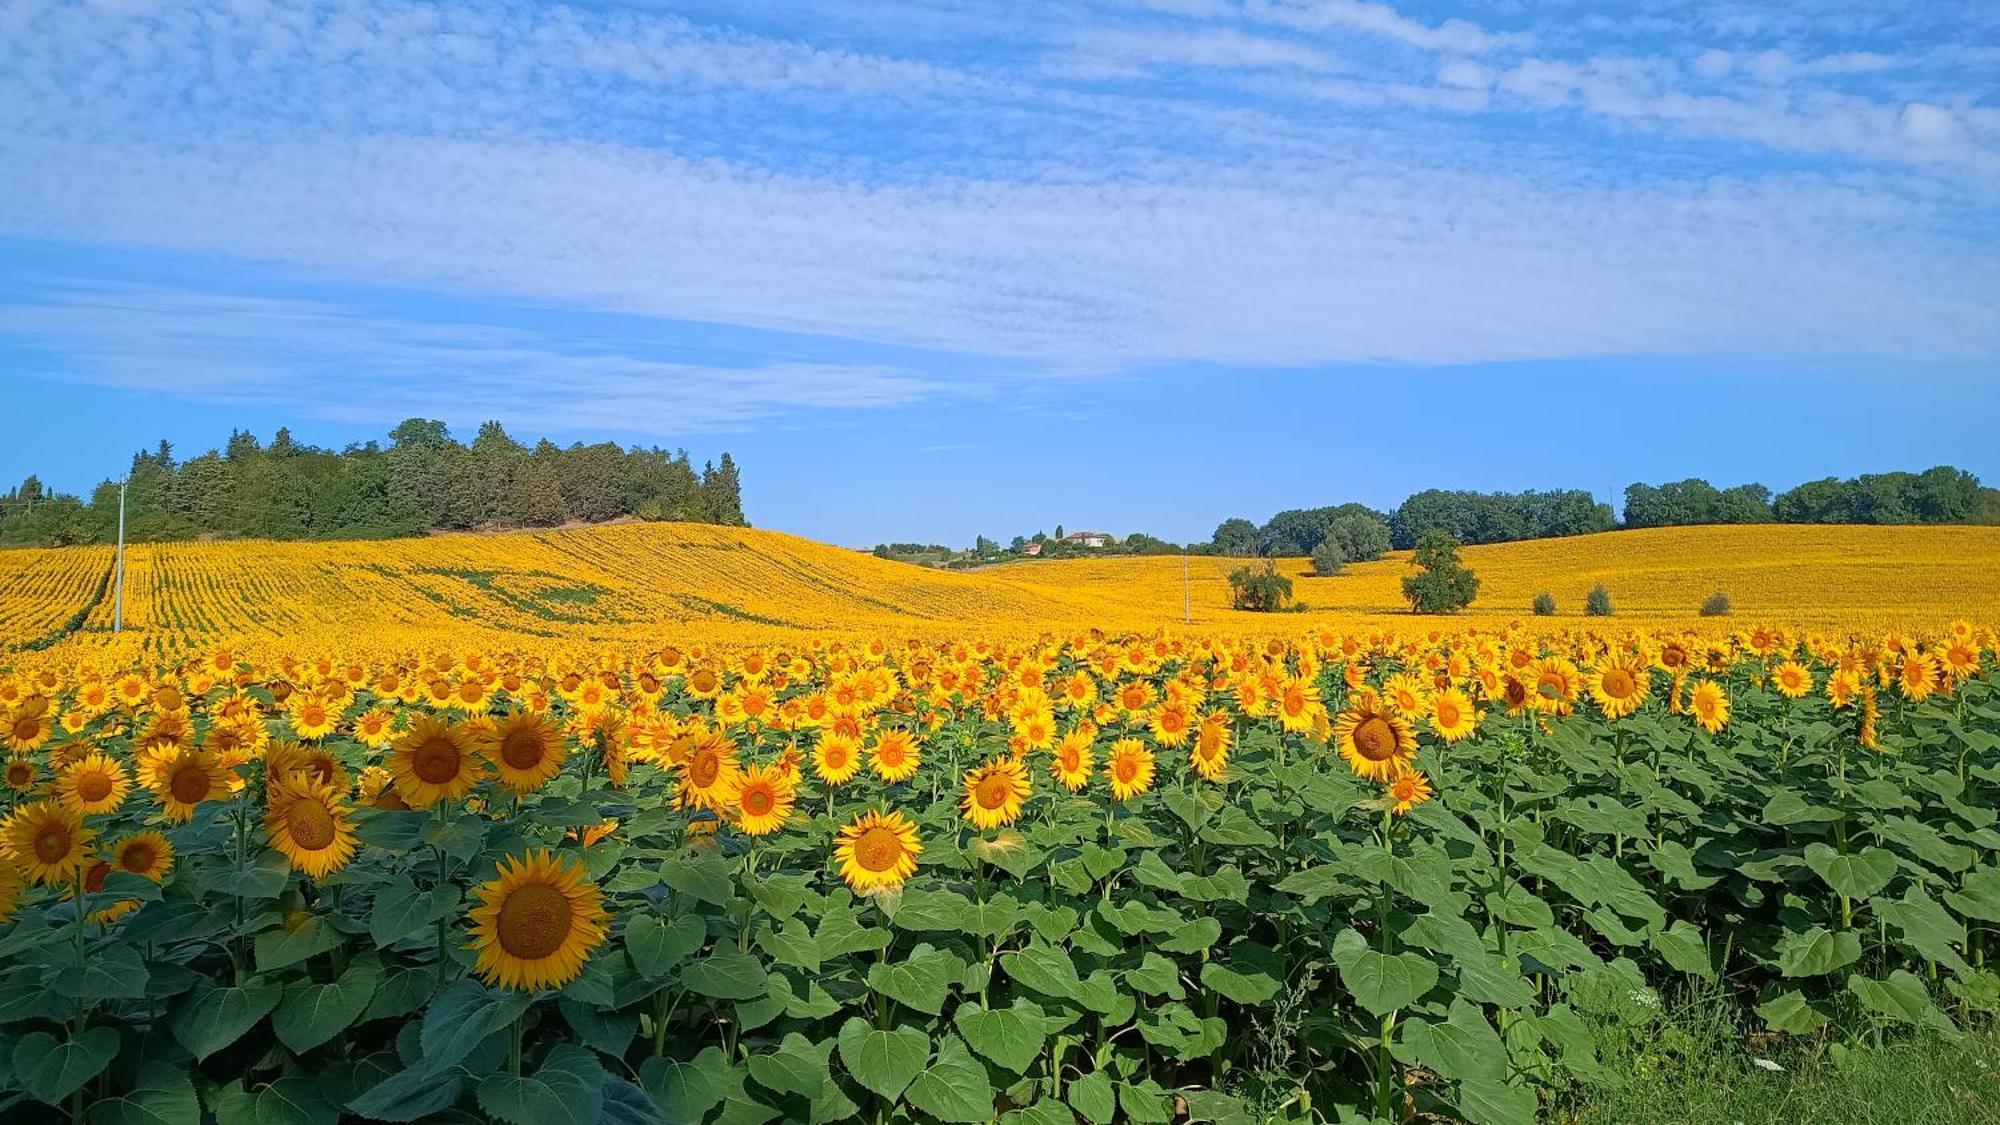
{"x":1598,"y":602}
{"x":1717,"y":605}
{"x":1329,"y":558}
{"x":1259,"y":589}
{"x":1545,"y":605}
{"x":1445,"y":586}
{"x":1362,"y":538}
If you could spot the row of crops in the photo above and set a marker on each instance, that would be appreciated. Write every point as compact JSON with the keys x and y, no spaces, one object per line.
{"x":1081,"y":879}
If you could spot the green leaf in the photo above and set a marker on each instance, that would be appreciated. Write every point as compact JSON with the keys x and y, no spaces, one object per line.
{"x":463,"y":1015}
{"x":886,"y":1062}
{"x":417,"y":1092}
{"x":1463,"y":1046}
{"x":1791,"y":1012}
{"x":1817,"y":951}
{"x":1856,"y":876}
{"x":213,"y":1018}
{"x":1681,"y":945}
{"x":1253,"y":974}
{"x":161,"y":1096}
{"x":704,"y":875}
{"x":401,"y":910}
{"x":1011,"y":1037}
{"x":287,"y":946}
{"x":1044,"y":968}
{"x":727,"y":973}
{"x":796,"y":1067}
{"x":922,"y":980}
{"x":401,"y":992}
{"x":1093,"y":1096}
{"x":656,"y":946}
{"x":568,"y":1088}
{"x":1903,"y":998}
{"x":686,"y":1091}
{"x":51,"y":1069}
{"x":1487,"y":1101}
{"x":263,"y":877}
{"x":311,"y":1014}
{"x":1979,"y":896}
{"x":1925,"y":927}
{"x":113,"y":972}
{"x":1383,"y":982}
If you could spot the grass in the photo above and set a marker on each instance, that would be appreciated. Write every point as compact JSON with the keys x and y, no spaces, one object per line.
{"x":1697,"y":1065}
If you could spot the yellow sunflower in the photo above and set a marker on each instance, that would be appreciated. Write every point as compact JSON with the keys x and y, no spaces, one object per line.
{"x":894,"y":755}
{"x":21,"y":774}
{"x":760,"y":799}
{"x":710,"y":768}
{"x":311,"y":715}
{"x":28,"y":728}
{"x":1376,"y":741}
{"x":1130,"y":768}
{"x":48,"y":842}
{"x":182,"y":779}
{"x":433,"y":761}
{"x":995,"y":794}
{"x":1210,"y":753}
{"x":309,"y":822}
{"x":149,"y":854}
{"x":1710,"y":705}
{"x":1452,"y":715}
{"x":526,"y":749}
{"x":877,"y":852}
{"x":1407,"y":694}
{"x":1619,"y":686}
{"x":1072,"y":760}
{"x":836,"y":759}
{"x":1792,"y":679}
{"x":537,"y":922}
{"x":94,"y":784}
{"x":1297,"y":701}
{"x":1407,"y":790}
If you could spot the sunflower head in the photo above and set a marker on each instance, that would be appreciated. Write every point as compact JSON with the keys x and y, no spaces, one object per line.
{"x":48,"y":842}
{"x":995,"y":794}
{"x":309,"y":823}
{"x":433,"y":761}
{"x":149,"y":854}
{"x":537,"y":922}
{"x":1376,"y":741}
{"x":760,"y":799}
{"x":526,"y":749}
{"x":1130,"y":768}
{"x":877,"y":851}
{"x":94,"y":783}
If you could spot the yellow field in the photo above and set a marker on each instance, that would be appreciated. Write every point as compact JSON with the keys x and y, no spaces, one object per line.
{"x":639,"y":583}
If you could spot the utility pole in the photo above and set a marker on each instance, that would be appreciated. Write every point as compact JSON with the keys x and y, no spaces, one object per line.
{"x":118,"y":601}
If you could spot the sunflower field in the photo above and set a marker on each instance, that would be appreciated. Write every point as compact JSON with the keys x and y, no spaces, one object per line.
{"x":1092,"y":877}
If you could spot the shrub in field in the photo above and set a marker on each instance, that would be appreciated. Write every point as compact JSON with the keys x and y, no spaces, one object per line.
{"x":1545,"y":604}
{"x":1329,"y":558}
{"x":1715,"y":605}
{"x":1446,"y":585}
{"x":1260,"y":589}
{"x":1598,"y":602}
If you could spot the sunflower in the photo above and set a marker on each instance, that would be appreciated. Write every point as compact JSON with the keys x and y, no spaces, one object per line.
{"x":311,"y":716}
{"x":1209,"y":755}
{"x":1710,"y":706}
{"x":1298,"y":704}
{"x":1918,"y":677}
{"x":149,"y":854}
{"x":1130,"y":767}
{"x":526,"y":749}
{"x":877,"y":852}
{"x":315,"y":763}
{"x":1792,"y":679}
{"x":48,"y":842}
{"x":433,"y":762}
{"x":182,"y":779}
{"x":28,"y":728}
{"x":1376,"y":741}
{"x":1619,"y":686}
{"x":1555,"y":686}
{"x":711,"y":768}
{"x":995,"y":793}
{"x":894,"y":755}
{"x":1072,"y":759}
{"x":1407,"y":694}
{"x":1452,"y":715}
{"x":95,"y":784}
{"x":21,"y":774}
{"x":537,"y":922}
{"x":760,"y":799}
{"x":10,"y":887}
{"x":1172,"y":722}
{"x":1407,"y":790}
{"x":308,"y":821}
{"x":836,"y":759}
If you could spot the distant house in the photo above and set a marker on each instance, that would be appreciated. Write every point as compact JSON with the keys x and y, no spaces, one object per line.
{"x":1087,"y":538}
{"x":1031,"y":549}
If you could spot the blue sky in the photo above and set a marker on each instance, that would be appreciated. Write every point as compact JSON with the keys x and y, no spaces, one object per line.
{"x":947,"y":267}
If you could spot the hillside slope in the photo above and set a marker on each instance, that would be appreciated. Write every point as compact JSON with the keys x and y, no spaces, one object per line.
{"x":649,"y":583}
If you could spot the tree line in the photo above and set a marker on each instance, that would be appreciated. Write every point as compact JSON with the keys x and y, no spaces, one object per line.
{"x":422,"y":480}
{"x":1356,"y":532}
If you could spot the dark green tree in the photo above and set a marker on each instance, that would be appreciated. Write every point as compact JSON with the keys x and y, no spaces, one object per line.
{"x":1444,"y":585}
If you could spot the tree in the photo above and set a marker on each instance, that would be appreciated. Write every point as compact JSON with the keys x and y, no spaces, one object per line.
{"x":1598,"y":602}
{"x":1329,"y":558}
{"x":1259,"y":589}
{"x":1236,"y":536}
{"x":1445,"y":585}
{"x":723,"y":492}
{"x":1297,"y":531}
{"x":1361,"y":536}
{"x":1545,"y":604}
